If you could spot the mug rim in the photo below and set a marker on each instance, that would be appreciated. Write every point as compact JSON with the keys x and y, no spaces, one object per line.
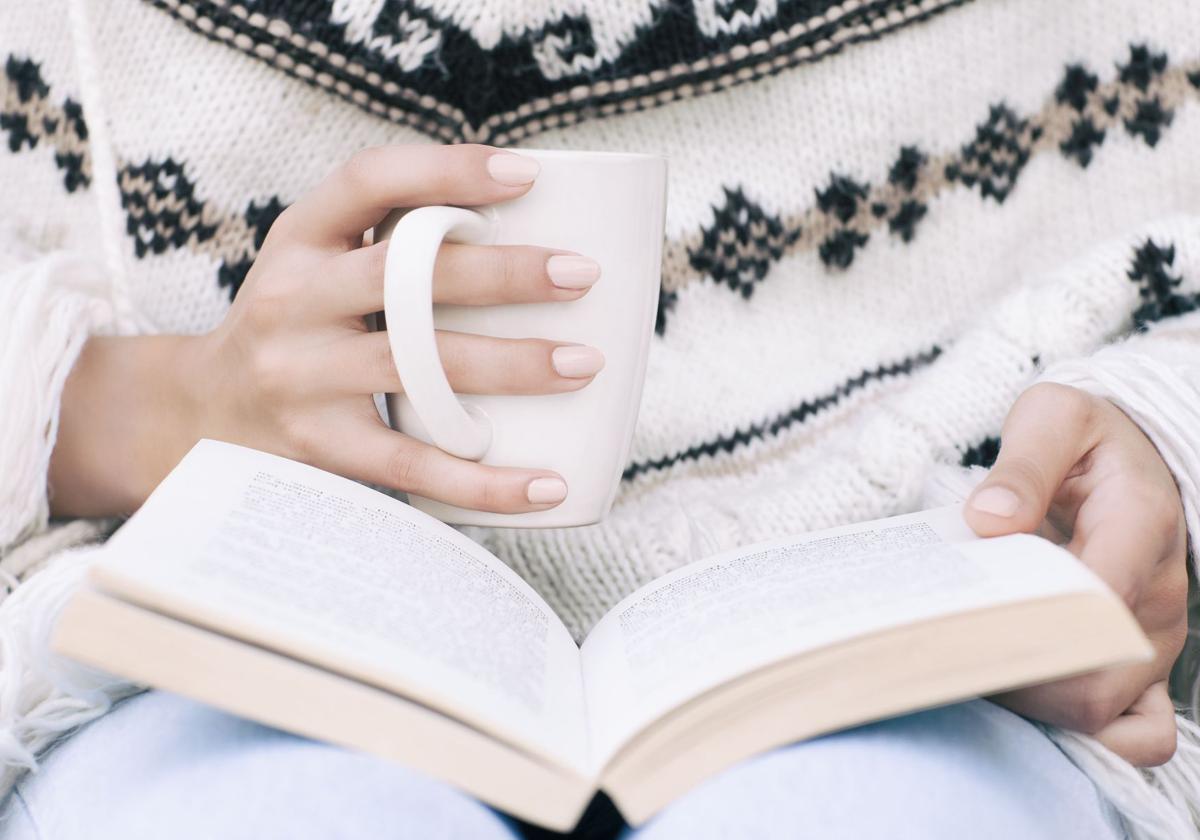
{"x":614,"y":157}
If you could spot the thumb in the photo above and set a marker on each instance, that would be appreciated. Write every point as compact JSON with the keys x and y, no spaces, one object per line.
{"x":1043,"y":438}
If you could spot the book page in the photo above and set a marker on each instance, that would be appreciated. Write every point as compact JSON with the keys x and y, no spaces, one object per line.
{"x":332,"y":572}
{"x":716,"y":619}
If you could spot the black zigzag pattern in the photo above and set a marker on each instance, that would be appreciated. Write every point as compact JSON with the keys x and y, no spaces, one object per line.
{"x":792,"y":417}
{"x":1151,"y":269}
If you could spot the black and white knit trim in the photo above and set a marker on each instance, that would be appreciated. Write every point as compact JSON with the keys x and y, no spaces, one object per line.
{"x":409,"y":65}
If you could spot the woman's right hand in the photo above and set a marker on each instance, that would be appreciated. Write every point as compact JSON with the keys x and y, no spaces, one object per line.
{"x":293,"y":367}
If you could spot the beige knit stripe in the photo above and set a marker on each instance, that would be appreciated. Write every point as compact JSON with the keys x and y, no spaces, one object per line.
{"x":1055,"y":119}
{"x":37,"y":110}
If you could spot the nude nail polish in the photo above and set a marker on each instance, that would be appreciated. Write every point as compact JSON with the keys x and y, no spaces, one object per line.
{"x":546,"y":491}
{"x":998,"y":501}
{"x":568,"y":271}
{"x":512,"y":170}
{"x":576,"y":361}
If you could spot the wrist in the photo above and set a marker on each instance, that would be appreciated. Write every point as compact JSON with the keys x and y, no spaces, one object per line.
{"x":128,"y":414}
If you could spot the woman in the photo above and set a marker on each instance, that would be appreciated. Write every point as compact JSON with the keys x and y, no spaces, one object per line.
{"x":888,"y":221}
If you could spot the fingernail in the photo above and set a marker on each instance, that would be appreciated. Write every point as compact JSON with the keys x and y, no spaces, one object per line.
{"x":512,"y":170}
{"x":576,"y":361}
{"x":998,"y":501}
{"x":546,"y":491}
{"x":571,"y":272}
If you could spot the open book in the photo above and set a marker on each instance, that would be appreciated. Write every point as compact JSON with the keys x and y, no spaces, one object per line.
{"x":306,"y":601}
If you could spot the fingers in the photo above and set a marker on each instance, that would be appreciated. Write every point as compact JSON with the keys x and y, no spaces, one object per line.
{"x":474,"y":364}
{"x":1145,"y":735}
{"x":1047,"y":432}
{"x":1120,"y":534}
{"x":389,"y":459}
{"x":351,"y":284}
{"x":484,"y":275}
{"x":1086,"y":703}
{"x":358,"y":194}
{"x":1091,"y":702}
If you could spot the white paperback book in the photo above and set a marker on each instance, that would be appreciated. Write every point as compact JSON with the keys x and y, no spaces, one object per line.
{"x":309,"y":602}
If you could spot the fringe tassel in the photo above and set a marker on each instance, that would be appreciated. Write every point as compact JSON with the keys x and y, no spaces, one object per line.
{"x":42,"y":696}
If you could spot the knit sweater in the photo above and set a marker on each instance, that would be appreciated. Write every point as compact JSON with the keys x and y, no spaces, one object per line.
{"x":887,"y":218}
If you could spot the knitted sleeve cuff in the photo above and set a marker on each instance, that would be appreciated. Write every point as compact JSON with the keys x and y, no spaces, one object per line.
{"x":1154,"y":378}
{"x":49,"y":305}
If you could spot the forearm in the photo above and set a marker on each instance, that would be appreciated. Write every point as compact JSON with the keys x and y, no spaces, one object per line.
{"x":126,"y":419}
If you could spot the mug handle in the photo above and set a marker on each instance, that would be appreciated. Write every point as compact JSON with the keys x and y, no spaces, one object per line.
{"x":460,"y":429}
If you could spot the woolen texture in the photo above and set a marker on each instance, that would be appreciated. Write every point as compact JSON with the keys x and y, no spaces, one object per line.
{"x":886,"y":220}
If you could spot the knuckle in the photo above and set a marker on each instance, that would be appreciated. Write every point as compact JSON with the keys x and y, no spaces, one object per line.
{"x":1175,"y":639}
{"x":496,"y":265}
{"x":1027,"y":474}
{"x":284,"y":224}
{"x":1159,"y":750}
{"x":1162,"y":741}
{"x":483,"y":495}
{"x":487,"y":493}
{"x":264,"y":311}
{"x":455,"y":354}
{"x":406,"y":469}
{"x":1095,"y":709}
{"x":509,"y":269}
{"x":375,"y":259}
{"x":461,"y":154}
{"x":443,"y":169}
{"x":384,"y":364}
{"x":1064,"y":405}
{"x":360,"y":171}
{"x":302,"y":439}
{"x":271,"y":371}
{"x":533,"y":359}
{"x":1161,"y":509}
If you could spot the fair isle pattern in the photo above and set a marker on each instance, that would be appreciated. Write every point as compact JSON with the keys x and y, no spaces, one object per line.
{"x":29,"y":116}
{"x":890,"y":242}
{"x":162,"y":205}
{"x":404,"y":62}
{"x":742,"y":243}
{"x":1162,"y":294}
{"x":165,"y":209}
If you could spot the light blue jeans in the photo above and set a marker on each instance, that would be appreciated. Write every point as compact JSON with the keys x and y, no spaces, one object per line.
{"x":159,"y":766}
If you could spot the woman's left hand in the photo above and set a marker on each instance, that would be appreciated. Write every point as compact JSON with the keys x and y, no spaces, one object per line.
{"x":1075,"y":468}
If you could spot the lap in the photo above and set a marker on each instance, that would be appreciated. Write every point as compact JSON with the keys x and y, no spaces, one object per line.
{"x":162,"y":766}
{"x":159,"y":765}
{"x":971,"y":770}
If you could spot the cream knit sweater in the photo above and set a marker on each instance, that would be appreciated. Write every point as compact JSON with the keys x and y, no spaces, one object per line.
{"x":887,"y":218}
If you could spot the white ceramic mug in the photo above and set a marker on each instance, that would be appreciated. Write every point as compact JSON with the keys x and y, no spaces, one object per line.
{"x":605,"y":206}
